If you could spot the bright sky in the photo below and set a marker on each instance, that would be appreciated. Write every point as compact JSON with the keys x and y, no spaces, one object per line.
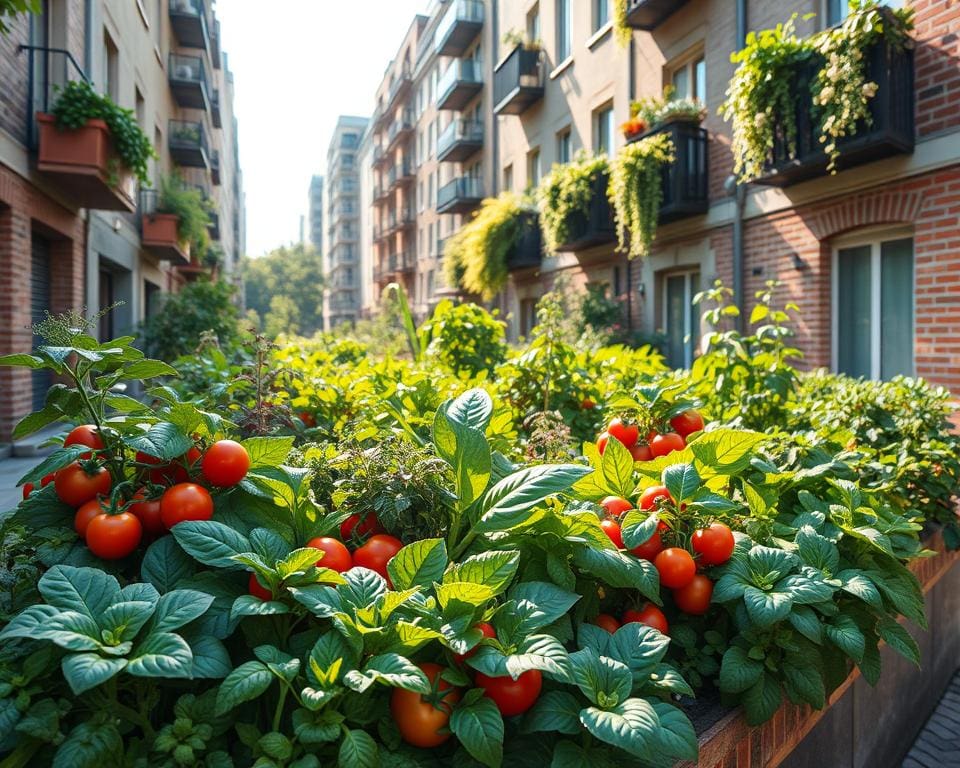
{"x":297,"y":65}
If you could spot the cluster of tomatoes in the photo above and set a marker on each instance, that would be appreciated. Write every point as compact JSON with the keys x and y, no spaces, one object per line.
{"x":654,"y":444}
{"x":113,"y":521}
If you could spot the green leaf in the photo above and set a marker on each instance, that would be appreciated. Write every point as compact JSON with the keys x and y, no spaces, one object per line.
{"x":248,"y":605}
{"x":84,"y":671}
{"x":637,"y":527}
{"x":125,"y":619}
{"x":466,"y":450}
{"x":762,"y":699}
{"x":391,"y":669}
{"x":57,"y":459}
{"x":179,"y":607}
{"x":147,"y":369}
{"x":210,"y":542}
{"x":494,"y":569}
{"x":165,"y":563}
{"x":844,"y":633}
{"x":36,"y":421}
{"x":899,"y":639}
{"x":85,"y":590}
{"x":682,"y":481}
{"x":816,"y":550}
{"x":281,"y":664}
{"x":506,"y":504}
{"x":210,"y":658}
{"x":362,"y":587}
{"x":807,"y":683}
{"x":267,"y":451}
{"x":298,"y":561}
{"x":162,"y":440}
{"x":675,"y":736}
{"x":726,"y":451}
{"x":554,"y":711}
{"x":22,"y":360}
{"x":41,"y":721}
{"x":638,"y":646}
{"x":472,"y":409}
{"x":479,"y":728}
{"x":462,"y":592}
{"x":418,"y":564}
{"x":616,"y":468}
{"x":767,"y":608}
{"x":316,"y":728}
{"x":632,"y":726}
{"x":90,"y":745}
{"x":246,"y":682}
{"x":857,"y":584}
{"x":358,"y":750}
{"x":605,"y":681}
{"x":738,"y":672}
{"x":542,"y":652}
{"x":619,"y":569}
{"x":162,"y":654}
{"x":806,"y":622}
{"x":540,"y":604}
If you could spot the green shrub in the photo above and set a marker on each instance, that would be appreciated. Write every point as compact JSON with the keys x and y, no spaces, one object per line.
{"x":192,"y":212}
{"x":199,"y":307}
{"x":464,"y":338}
{"x":564,"y":196}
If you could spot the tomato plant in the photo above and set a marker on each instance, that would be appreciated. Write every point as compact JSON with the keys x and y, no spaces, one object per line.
{"x":422,"y":719}
{"x":335,"y":554}
{"x":113,"y":536}
{"x":512,"y":697}
{"x":77,"y":483}
{"x":225,"y":463}
{"x":185,"y":501}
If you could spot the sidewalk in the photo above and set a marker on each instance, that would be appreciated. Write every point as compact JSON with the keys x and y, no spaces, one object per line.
{"x":938,"y":745}
{"x":25,"y":454}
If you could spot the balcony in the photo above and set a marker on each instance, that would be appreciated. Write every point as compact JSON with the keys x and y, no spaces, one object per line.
{"x":650,"y":14}
{"x":459,"y":27}
{"x":460,"y":140}
{"x":188,"y":144}
{"x":518,"y":82}
{"x":188,"y":81}
{"x":399,"y":263}
{"x":399,"y":221}
{"x":215,"y":109}
{"x":400,"y":87}
{"x":188,"y":23}
{"x":684,"y":180}
{"x":594,"y":226}
{"x":891,"y":131}
{"x":459,"y":84}
{"x":215,"y":167}
{"x":400,"y":129}
{"x":380,"y":192}
{"x":380,"y":154}
{"x":159,"y":232}
{"x":215,"y":53}
{"x":461,"y":195}
{"x":401,"y":173}
{"x":527,"y":252}
{"x":214,"y":226}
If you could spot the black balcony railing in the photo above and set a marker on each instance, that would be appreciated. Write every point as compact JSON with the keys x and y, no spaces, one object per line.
{"x":459,"y":140}
{"x":213,"y":227}
{"x":890,"y":131}
{"x":189,"y":23}
{"x":400,"y":128}
{"x":401,"y":262}
{"x":460,"y":195}
{"x":650,"y":14}
{"x":47,"y":69}
{"x":527,"y":252}
{"x":459,"y":26}
{"x":594,"y":226}
{"x":188,"y":81}
{"x":215,"y":115}
{"x":685,"y":183}
{"x":459,"y":84}
{"x":215,"y":43}
{"x":518,"y":82}
{"x":215,"y":167}
{"x":188,"y":144}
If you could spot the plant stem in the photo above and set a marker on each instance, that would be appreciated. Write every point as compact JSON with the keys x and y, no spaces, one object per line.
{"x":278,"y":712}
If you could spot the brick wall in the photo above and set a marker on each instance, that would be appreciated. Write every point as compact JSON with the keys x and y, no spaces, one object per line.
{"x":13,"y":78}
{"x":937,"y":65}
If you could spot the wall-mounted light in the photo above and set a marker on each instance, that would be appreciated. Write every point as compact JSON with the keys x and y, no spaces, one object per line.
{"x":642,"y":290}
{"x":117,"y":224}
{"x":799,"y":263}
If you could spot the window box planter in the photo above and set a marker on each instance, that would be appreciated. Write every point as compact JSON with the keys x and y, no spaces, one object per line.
{"x":685,"y":181}
{"x":84,"y":164}
{"x":528,"y":250}
{"x":594,"y":226}
{"x":158,"y":234}
{"x":891,"y":132}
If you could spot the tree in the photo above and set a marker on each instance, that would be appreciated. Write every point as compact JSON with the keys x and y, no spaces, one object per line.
{"x":285,"y":289}
{"x":200,"y":306}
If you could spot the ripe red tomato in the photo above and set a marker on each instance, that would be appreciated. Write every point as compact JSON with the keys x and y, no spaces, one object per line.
{"x":615,"y":505}
{"x":30,"y":488}
{"x":308,"y":419}
{"x":86,"y":513}
{"x":420,"y":717}
{"x":607,"y":622}
{"x":695,"y":597}
{"x":588,"y":404}
{"x":641,"y":452}
{"x":185,"y":501}
{"x":650,"y":548}
{"x":687,"y":423}
{"x":27,"y":489}
{"x":669,"y":442}
{"x":602,"y":440}
{"x":649,"y":498}
{"x":676,"y":567}
{"x":85,"y":434}
{"x":377,"y":552}
{"x":114,"y":536}
{"x":75,"y":486}
{"x":225,"y":463}
{"x":335,"y":555}
{"x":650,"y":615}
{"x":612,"y":529}
{"x":625,"y":432}
{"x":512,"y":697}
{"x":147,"y":512}
{"x":170,"y":473}
{"x":255,"y":588}
{"x":487,"y":630}
{"x":714,"y":544}
{"x":354,"y":527}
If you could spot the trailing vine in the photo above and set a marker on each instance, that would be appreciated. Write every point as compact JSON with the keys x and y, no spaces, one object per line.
{"x":621,"y":31}
{"x":475,"y":257}
{"x":192,"y":212}
{"x":636,"y":192}
{"x":565,"y":192}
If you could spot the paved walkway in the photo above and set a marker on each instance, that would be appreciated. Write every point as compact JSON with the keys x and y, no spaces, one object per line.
{"x":11,"y":470}
{"x":938,"y":745}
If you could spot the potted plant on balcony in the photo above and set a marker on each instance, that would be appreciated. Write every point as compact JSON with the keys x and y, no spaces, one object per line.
{"x":657,"y":111}
{"x":476,"y":256}
{"x":514,"y":38}
{"x":88,"y":135}
{"x":565,"y":195}
{"x":636,"y":191}
{"x":181,"y":220}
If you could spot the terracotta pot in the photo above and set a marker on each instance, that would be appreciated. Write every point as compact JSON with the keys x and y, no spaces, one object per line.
{"x":158,"y":233}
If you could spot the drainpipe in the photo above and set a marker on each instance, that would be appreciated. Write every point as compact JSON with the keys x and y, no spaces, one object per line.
{"x":632,"y":79}
{"x":492,"y":56}
{"x":740,"y":193}
{"x":88,"y":37}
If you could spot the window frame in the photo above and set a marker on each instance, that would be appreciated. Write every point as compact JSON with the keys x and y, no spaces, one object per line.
{"x":599,"y":22}
{"x":565,"y":136}
{"x":598,"y":129}
{"x":686,"y":272}
{"x":563,"y":55}
{"x":875,"y":238}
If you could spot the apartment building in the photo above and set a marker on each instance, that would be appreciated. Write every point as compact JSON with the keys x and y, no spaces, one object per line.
{"x":314,"y":222}
{"x":72,"y":239}
{"x":369,"y":295}
{"x":342,"y":294}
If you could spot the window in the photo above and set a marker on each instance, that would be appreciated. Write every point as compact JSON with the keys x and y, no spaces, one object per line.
{"x":533,"y":168}
{"x":689,"y":80}
{"x":836,"y":11}
{"x":508,"y":178}
{"x":603,"y":129}
{"x":157,"y":21}
{"x":141,"y":108}
{"x":430,"y":284}
{"x":111,"y":63}
{"x":873,"y":325}
{"x":564,"y":32}
{"x":601,"y":14}
{"x":681,"y":320}
{"x":533,"y":22}
{"x":564,"y":146}
{"x":528,"y":316}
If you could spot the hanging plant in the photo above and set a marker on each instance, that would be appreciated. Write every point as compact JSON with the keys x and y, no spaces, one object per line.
{"x":654,"y":111}
{"x":636,"y":191}
{"x":475,"y":257}
{"x":192,"y":212}
{"x":565,"y":192}
{"x":621,"y":31}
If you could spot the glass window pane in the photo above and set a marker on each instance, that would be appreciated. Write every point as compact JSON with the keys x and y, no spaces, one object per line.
{"x":675,"y":311}
{"x":693,"y":344}
{"x":602,"y":15}
{"x":853,"y":311}
{"x":837,"y":11}
{"x":564,"y":44}
{"x":700,"y":80}
{"x":896,"y":308}
{"x":681,"y":83}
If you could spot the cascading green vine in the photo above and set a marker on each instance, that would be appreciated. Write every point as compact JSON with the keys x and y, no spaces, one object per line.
{"x":621,"y":30}
{"x":192,"y":212}
{"x":475,"y":257}
{"x":565,"y":192}
{"x":636,"y":192}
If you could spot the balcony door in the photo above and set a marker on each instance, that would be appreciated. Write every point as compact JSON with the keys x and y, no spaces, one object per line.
{"x":681,"y":322}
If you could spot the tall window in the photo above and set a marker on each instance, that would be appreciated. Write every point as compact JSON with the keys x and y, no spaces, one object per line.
{"x":534,"y":172}
{"x":603,"y":129}
{"x":681,"y":322}
{"x":601,"y":13}
{"x":564,"y":146}
{"x":533,"y":22}
{"x":873,"y":308}
{"x":689,"y":80}
{"x":564,"y":31}
{"x":111,"y":65}
{"x":508,"y":178}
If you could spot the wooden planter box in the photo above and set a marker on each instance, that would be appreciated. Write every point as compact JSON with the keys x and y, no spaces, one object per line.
{"x":85,"y":165}
{"x":860,"y":726}
{"x":158,"y":233}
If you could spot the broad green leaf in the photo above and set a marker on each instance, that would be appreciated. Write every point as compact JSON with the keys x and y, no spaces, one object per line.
{"x":766,"y":608}
{"x":179,"y":607}
{"x":418,"y":564}
{"x":726,"y":451}
{"x":281,"y":664}
{"x":494,"y":569}
{"x":57,"y":459}
{"x":899,"y":639}
{"x":358,"y":750}
{"x":857,"y":584}
{"x":362,"y":587}
{"x":472,"y":409}
{"x":165,"y":563}
{"x":479,"y":728}
{"x":391,"y":669}
{"x":762,"y":699}
{"x":163,"y":441}
{"x":675,"y":736}
{"x":246,"y":682}
{"x":36,"y":421}
{"x":298,"y":561}
{"x":32,"y":621}
{"x":210,"y":658}
{"x":632,"y":726}
{"x":542,"y":652}
{"x":540,"y":604}
{"x":682,"y":481}
{"x":90,"y":745}
{"x":125,"y":619}
{"x":616,"y":468}
{"x":506,"y":504}
{"x":806,"y":622}
{"x":162,"y":654}
{"x":807,"y":587}
{"x":554,"y":711}
{"x":210,"y":542}
{"x":738,"y":672}
{"x":248,"y":605}
{"x":84,"y":671}
{"x":619,"y":569}
{"x":637,"y":527}
{"x":466,"y":450}
{"x":605,"y":681}
{"x":85,"y":590}
{"x":817,"y":551}
{"x":806,"y":682}
{"x":147,"y":369}
{"x":463,"y":592}
{"x":638,"y":646}
{"x":316,"y":728}
{"x":267,"y":451}
{"x":844,"y":633}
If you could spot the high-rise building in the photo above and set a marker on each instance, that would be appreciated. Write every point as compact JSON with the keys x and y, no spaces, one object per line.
{"x":71,"y":236}
{"x":342,"y":294}
{"x":315,"y":214}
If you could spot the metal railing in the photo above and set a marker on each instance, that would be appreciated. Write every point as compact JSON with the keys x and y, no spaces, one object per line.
{"x":470,"y":11}
{"x":469,"y":131}
{"x":521,"y":71}
{"x":187,"y":69}
{"x":185,"y":134}
{"x":42,"y":81}
{"x":460,"y":72}
{"x":464,"y":188}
